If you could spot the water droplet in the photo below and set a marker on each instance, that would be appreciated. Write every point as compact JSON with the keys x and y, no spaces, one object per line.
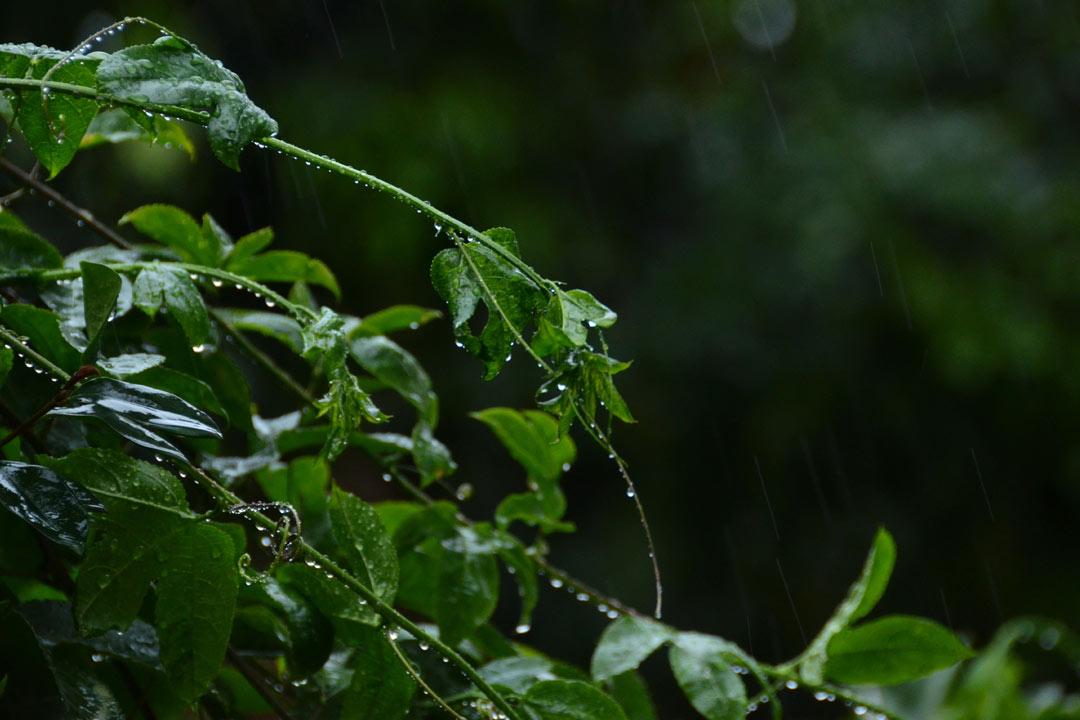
{"x":582,"y":597}
{"x":97,"y":657}
{"x":198,"y":348}
{"x":612,"y":614}
{"x":193,"y":276}
{"x":158,"y":458}
{"x":387,"y":477}
{"x":820,"y":695}
{"x":859,"y":710}
{"x":630,"y":492}
{"x":266,"y":541}
{"x":556,"y":583}
{"x":270,"y":303}
{"x":566,"y":467}
{"x":424,"y":646}
{"x":216,"y":283}
{"x":523,"y":628}
{"x":791,"y":685}
{"x":392,"y":634}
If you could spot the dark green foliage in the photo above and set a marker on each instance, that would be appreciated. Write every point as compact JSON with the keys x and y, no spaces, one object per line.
{"x":185,"y":565}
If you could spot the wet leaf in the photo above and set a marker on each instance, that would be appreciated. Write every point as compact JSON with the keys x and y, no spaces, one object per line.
{"x":54,"y":506}
{"x":701,"y":667}
{"x":625,"y":644}
{"x":571,"y":700}
{"x":892,"y":650}
{"x":101,"y":288}
{"x":174,"y":72}
{"x":367,"y":546}
{"x":172,"y":286}
{"x":22,"y":250}
{"x":285,"y":266}
{"x":380,"y":687}
{"x":138,"y":413}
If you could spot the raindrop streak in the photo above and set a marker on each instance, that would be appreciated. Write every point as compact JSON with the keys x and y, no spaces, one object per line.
{"x":768,"y":502}
{"x":808,"y":457}
{"x":775,"y":117}
{"x":982,"y":485}
{"x":791,"y":601}
{"x":956,"y":40}
{"x":333,"y":30}
{"x":922,"y":78}
{"x":877,"y":270}
{"x":708,"y":45}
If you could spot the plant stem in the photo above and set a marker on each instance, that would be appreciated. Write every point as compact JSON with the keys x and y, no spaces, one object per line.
{"x":407,"y":664}
{"x":63,"y":203}
{"x":256,"y":682}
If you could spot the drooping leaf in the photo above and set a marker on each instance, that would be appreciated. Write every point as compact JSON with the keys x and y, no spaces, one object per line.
{"x":138,"y":413}
{"x":701,"y":666}
{"x":54,"y":624}
{"x":473,"y":273}
{"x":365,"y":542}
{"x":101,"y":288}
{"x":173,"y":72}
{"x":625,"y":644}
{"x":54,"y":506}
{"x":892,"y":650}
{"x":861,"y":599}
{"x":380,"y":687}
{"x":571,"y":700}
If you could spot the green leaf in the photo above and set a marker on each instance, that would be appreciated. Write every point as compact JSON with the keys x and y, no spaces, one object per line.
{"x":280,"y":327}
{"x":570,"y":315}
{"x":367,"y":546}
{"x":128,"y":124}
{"x":466,"y":276}
{"x":101,"y":288}
{"x":194,"y":612}
{"x":468,"y":582}
{"x":625,"y":644}
{"x":285,"y":266}
{"x":892,"y":650}
{"x":381,"y":689}
{"x":122,"y":482}
{"x":516,"y":559}
{"x":310,"y":636}
{"x":532,"y":438}
{"x":571,"y":700}
{"x":861,"y":599}
{"x":252,"y":243}
{"x":54,"y":506}
{"x":396,"y":368}
{"x":182,"y":385}
{"x":340,"y":605}
{"x":130,"y":364}
{"x":54,"y":624}
{"x":632,"y":694}
{"x":55,"y":129}
{"x":22,"y":250}
{"x":517,"y":673}
{"x":42,"y":329}
{"x":700,"y":665}
{"x":394,"y":319}
{"x":176,"y":229}
{"x":155,"y":285}
{"x":138,"y":413}
{"x":174,"y":72}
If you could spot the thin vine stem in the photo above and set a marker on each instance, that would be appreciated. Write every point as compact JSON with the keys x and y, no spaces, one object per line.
{"x":415,"y":675}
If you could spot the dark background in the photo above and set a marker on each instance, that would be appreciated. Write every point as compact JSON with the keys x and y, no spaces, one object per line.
{"x":841,"y":237}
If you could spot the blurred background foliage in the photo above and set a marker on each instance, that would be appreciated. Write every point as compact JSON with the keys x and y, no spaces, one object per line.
{"x":841,"y":237}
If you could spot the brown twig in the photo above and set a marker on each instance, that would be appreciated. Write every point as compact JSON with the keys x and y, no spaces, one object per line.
{"x":62,"y":394}
{"x":63,"y":203}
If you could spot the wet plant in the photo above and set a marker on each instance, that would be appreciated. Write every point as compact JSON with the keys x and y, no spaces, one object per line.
{"x":166,"y":551}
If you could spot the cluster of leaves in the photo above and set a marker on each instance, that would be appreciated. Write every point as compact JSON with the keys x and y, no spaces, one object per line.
{"x":164,"y":547}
